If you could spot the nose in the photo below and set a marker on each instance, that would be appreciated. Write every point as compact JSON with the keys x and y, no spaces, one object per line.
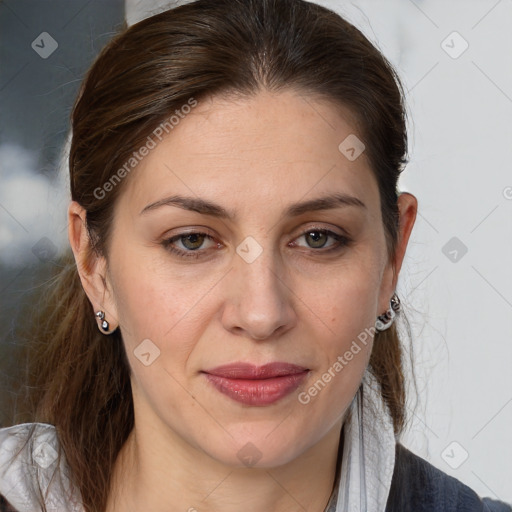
{"x":259,"y":303}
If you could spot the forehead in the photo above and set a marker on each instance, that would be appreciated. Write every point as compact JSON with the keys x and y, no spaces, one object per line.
{"x":246,"y":153}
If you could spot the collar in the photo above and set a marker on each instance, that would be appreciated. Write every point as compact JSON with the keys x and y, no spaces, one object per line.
{"x":28,"y":454}
{"x":366,"y":468}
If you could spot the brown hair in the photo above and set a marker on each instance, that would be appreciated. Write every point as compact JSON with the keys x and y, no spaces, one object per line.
{"x":78,"y":380}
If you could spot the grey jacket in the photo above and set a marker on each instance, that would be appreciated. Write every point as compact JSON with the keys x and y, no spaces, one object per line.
{"x":417,"y":486}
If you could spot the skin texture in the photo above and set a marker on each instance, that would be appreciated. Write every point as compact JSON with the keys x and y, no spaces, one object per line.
{"x":294,"y":303}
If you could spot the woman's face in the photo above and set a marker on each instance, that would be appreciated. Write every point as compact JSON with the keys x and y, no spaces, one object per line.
{"x":265,"y":278}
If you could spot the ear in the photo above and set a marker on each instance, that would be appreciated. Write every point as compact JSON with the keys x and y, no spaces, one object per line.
{"x":92,"y":267}
{"x":408,"y":208}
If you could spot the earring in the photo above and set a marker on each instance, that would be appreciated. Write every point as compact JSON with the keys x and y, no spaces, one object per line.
{"x":104,"y":323}
{"x":385,"y":320}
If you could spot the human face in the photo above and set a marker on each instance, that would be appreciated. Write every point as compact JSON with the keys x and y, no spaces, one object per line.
{"x":291,"y":293}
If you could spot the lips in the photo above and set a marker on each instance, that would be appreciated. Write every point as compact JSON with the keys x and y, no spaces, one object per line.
{"x":253,"y":372}
{"x":256,"y":385}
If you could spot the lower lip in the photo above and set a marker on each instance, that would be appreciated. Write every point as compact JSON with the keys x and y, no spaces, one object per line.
{"x":257,"y":392}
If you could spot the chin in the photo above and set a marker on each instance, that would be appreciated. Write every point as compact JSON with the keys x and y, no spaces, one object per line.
{"x":257,"y":447}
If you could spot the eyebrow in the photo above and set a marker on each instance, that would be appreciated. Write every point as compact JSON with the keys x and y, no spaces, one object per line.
{"x":205,"y":207}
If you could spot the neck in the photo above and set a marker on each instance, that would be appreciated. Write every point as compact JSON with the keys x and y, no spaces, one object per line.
{"x":154,"y":474}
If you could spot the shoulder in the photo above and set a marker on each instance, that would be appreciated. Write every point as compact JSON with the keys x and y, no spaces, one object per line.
{"x":418,"y":485}
{"x":31,"y":466}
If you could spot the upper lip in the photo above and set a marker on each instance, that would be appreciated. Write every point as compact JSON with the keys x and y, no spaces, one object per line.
{"x":240,"y":370}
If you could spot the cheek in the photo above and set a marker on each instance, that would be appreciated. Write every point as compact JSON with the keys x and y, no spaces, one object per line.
{"x":350,"y":335}
{"x":346,"y":304}
{"x":348,"y":298}
{"x":345,"y":348}
{"x":169,"y":310}
{"x":161,"y":323}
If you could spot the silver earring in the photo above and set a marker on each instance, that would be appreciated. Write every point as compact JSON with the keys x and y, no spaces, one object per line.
{"x":104,"y":324}
{"x":385,"y":320}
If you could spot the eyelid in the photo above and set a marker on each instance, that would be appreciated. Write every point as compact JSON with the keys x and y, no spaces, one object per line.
{"x":195,"y":230}
{"x":319,"y":227}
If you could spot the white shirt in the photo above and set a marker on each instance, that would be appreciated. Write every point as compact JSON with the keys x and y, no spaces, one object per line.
{"x":364,"y":478}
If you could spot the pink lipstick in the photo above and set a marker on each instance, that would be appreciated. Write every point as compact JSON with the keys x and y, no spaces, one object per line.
{"x":256,"y":385}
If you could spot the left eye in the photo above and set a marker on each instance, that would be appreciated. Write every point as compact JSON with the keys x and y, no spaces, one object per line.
{"x":317,"y":238}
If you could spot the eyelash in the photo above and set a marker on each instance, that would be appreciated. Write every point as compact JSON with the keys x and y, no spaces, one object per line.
{"x":342,"y":241}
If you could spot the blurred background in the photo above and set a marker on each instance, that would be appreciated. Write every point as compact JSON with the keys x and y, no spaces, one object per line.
{"x":454,"y":59}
